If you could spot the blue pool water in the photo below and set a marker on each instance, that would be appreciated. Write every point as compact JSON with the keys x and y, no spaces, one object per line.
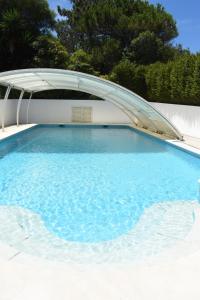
{"x":92,"y":184}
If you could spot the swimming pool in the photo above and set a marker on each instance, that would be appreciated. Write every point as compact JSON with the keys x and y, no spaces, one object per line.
{"x":91,"y":184}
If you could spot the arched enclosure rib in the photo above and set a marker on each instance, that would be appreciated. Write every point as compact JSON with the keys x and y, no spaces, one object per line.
{"x":140,"y":112}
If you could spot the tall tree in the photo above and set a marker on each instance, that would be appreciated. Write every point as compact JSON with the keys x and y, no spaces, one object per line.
{"x":92,"y":24}
{"x":21,"y":22}
{"x":130,"y":76}
{"x":81,"y":61}
{"x":49,"y":53}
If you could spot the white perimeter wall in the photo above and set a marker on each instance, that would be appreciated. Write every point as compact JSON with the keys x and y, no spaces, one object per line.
{"x":60,"y":111}
{"x":10,"y":114}
{"x":185,"y":118}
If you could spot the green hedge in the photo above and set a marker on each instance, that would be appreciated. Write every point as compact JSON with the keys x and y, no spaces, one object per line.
{"x":175,"y":82}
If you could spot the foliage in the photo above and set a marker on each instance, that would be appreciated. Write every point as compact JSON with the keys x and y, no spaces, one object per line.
{"x":195,"y":88}
{"x":81,"y":61}
{"x":147,"y":48}
{"x":106,"y":56}
{"x":130,"y":76}
{"x":127,"y":41}
{"x":49,"y":53}
{"x":21,"y":22}
{"x":93,"y":23}
{"x":177,"y":81}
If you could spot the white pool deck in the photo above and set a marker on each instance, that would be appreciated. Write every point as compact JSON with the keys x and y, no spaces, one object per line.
{"x":174,"y":277}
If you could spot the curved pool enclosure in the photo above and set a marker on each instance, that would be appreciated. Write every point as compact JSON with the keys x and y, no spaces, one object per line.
{"x":139,"y":111}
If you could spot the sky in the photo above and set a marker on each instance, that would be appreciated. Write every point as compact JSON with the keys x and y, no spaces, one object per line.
{"x":185,"y":12}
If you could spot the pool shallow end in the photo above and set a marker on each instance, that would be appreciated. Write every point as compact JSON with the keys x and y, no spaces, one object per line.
{"x":163,"y":229}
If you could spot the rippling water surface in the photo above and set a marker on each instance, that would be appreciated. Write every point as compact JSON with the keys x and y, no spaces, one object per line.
{"x":92,"y":184}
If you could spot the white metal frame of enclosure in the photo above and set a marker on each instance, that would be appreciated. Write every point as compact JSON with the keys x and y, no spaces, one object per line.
{"x":140,"y":112}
